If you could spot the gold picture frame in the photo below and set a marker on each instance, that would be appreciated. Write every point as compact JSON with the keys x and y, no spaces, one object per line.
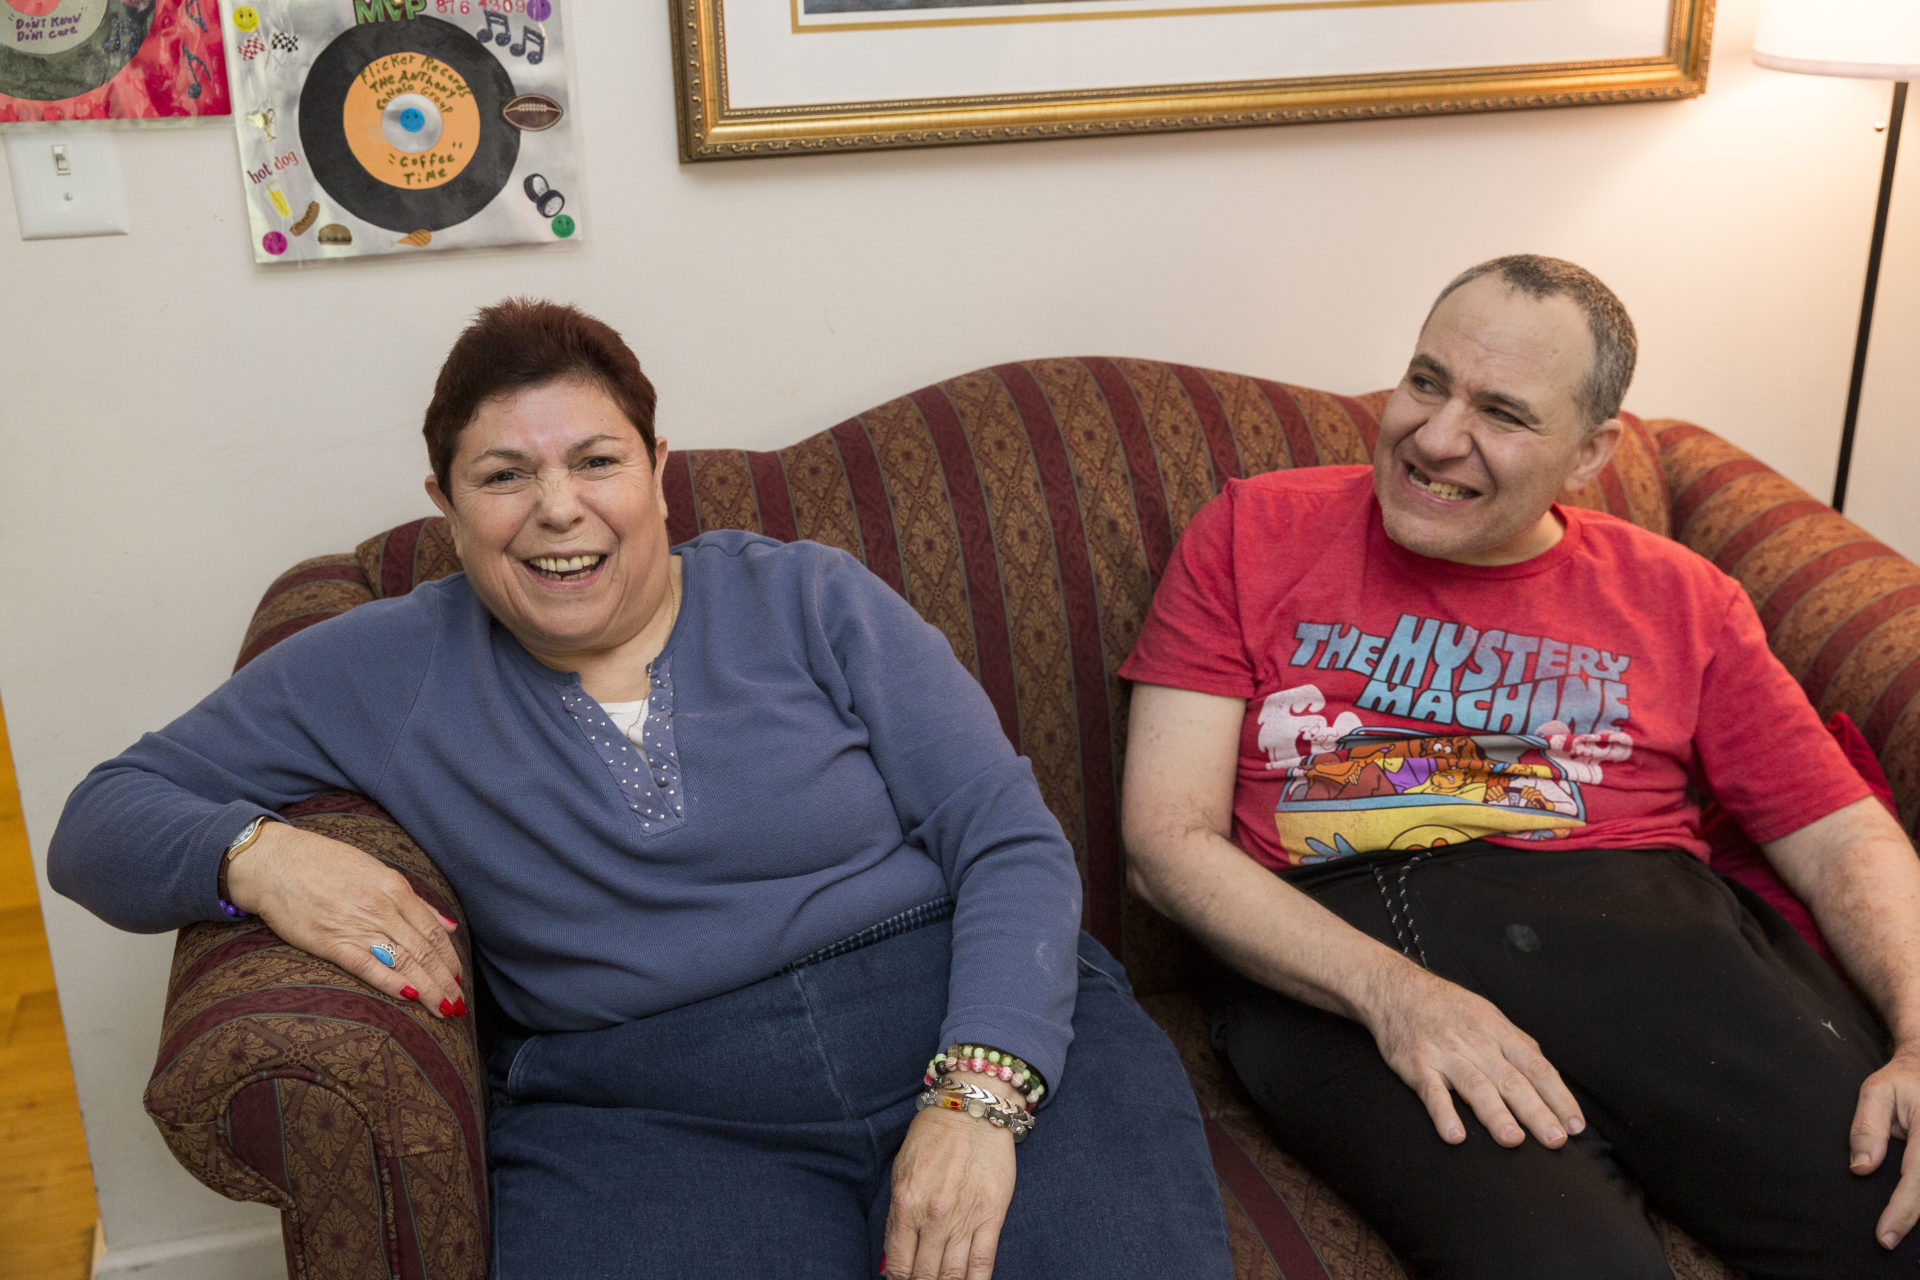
{"x":712,"y":128}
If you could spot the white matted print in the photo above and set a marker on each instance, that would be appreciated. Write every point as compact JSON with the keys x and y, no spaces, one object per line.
{"x":772,"y":76}
{"x":401,"y":126}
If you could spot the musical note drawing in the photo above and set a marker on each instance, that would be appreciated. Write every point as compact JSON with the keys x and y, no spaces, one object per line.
{"x":195,"y":69}
{"x":194,"y":15}
{"x":494,"y":20}
{"x":534,"y":39}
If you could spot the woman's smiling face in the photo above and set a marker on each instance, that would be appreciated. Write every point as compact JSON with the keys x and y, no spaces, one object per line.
{"x":560,"y":521}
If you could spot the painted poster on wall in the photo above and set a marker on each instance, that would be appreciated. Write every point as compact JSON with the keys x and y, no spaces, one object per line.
{"x":110,"y":60}
{"x":402,"y":126}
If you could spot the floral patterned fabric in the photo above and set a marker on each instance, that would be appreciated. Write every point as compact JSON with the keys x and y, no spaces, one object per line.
{"x":1027,"y":510}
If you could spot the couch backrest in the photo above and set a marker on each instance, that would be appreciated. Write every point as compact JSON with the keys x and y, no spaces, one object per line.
{"x":1027,"y":511}
{"x":1841,"y":608}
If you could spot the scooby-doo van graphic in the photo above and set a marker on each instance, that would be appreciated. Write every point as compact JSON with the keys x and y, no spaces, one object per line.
{"x":1379,"y":789}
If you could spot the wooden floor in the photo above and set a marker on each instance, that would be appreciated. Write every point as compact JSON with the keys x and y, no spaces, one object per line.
{"x":47,"y":1209}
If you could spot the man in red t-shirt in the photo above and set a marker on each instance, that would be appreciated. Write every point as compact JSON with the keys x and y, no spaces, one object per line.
{"x":1411,"y":751}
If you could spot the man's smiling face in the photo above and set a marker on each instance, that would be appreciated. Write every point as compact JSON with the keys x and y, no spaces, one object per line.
{"x":1485,"y":432}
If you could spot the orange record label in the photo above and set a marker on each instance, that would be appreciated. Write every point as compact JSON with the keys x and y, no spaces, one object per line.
{"x":411,"y":121}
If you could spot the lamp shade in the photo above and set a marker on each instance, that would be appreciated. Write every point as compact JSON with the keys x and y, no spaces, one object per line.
{"x":1865,"y":39}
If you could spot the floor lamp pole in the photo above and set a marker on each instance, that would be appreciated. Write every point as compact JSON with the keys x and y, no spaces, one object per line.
{"x":1873,"y":288}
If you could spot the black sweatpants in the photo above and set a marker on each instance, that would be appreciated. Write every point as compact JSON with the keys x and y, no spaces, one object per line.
{"x":1716,"y":1058}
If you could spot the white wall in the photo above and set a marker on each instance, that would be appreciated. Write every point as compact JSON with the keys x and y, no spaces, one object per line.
{"x":177,"y":425}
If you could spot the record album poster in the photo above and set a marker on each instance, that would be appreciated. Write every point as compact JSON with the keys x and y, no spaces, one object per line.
{"x":110,"y":60}
{"x":402,"y":126}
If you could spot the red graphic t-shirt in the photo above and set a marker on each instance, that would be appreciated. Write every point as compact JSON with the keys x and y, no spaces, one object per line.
{"x":1400,"y":702}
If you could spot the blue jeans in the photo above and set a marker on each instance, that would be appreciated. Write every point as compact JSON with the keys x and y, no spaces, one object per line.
{"x":753,"y":1133}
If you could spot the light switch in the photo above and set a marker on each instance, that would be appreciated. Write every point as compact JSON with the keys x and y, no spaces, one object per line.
{"x":66,"y":182}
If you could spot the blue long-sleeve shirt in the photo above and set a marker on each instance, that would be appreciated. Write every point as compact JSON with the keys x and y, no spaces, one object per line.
{"x":817,"y":761}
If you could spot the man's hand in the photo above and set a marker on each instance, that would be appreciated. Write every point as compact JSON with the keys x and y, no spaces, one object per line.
{"x":952,"y":1183}
{"x":1856,"y":869}
{"x":1442,"y":1040}
{"x":1889,"y":1103}
{"x":334,"y":901}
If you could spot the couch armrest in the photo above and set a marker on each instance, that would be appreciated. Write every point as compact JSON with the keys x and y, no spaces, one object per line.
{"x":285,"y":1080}
{"x":1842,"y":609}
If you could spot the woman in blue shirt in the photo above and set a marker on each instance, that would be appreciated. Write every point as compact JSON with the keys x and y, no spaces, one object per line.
{"x":741,"y":846}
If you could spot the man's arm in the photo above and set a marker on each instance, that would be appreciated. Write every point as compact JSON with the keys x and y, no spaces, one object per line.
{"x":1858,"y":873}
{"x":1176,"y":813}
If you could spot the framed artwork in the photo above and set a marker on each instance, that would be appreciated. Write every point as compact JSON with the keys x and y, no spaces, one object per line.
{"x":783,"y":77}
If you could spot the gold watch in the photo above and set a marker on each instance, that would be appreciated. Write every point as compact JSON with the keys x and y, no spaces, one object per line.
{"x":239,"y":845}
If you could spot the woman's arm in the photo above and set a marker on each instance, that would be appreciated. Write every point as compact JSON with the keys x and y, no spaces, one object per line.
{"x":141,"y":838}
{"x":973,"y":805}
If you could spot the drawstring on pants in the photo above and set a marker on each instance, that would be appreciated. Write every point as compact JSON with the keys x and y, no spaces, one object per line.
{"x":1400,"y":911}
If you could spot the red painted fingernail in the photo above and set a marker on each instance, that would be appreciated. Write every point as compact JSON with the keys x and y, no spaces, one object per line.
{"x":883,"y":1264}
{"x":446,"y":1008}
{"x":458,"y":983}
{"x":460,"y":1007}
{"x":449,"y":921}
{"x":409,"y":993}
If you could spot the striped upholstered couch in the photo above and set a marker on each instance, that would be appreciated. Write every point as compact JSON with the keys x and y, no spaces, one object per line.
{"x":1027,"y":511}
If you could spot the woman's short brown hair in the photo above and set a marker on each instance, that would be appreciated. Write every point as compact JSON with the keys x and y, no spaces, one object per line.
{"x":529,"y":342}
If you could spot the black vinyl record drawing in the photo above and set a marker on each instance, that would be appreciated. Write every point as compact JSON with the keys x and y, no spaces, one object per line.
{"x":401,"y":123}
{"x":79,"y":68}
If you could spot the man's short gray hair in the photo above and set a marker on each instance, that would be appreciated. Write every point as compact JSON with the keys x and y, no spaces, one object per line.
{"x":1614,"y":345}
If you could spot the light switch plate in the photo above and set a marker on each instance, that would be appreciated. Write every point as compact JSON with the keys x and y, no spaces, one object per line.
{"x":86,"y":200}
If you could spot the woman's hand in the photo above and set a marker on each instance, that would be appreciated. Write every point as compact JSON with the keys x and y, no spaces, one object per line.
{"x":952,"y":1182}
{"x":334,"y":901}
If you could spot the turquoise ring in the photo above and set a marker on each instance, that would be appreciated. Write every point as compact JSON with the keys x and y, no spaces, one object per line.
{"x":383,"y":953}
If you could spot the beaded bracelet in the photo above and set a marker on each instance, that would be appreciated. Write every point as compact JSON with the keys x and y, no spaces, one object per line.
{"x":987,"y":1061}
{"x":990,"y":1107}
